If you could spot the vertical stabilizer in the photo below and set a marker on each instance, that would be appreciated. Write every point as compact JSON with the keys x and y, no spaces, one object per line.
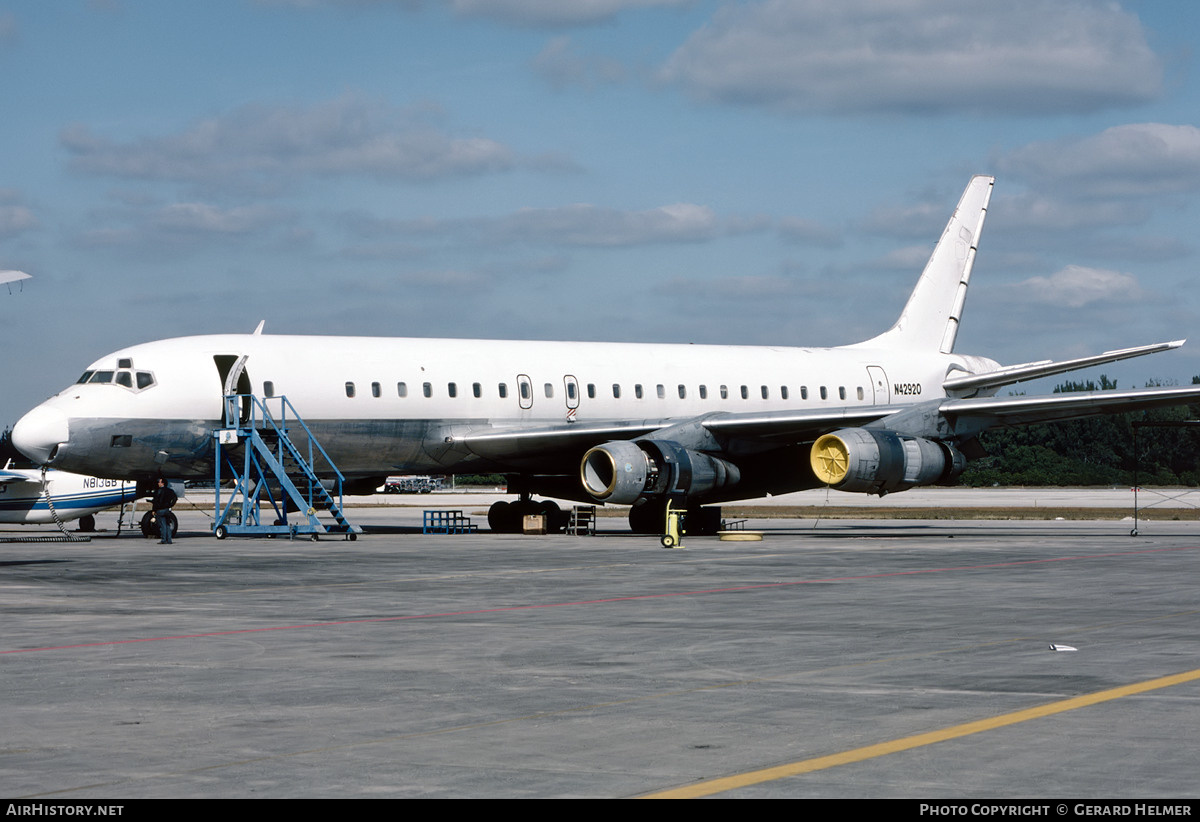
{"x":930,"y":318}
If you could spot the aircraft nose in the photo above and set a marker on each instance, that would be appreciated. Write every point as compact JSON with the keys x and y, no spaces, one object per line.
{"x":38,"y":434}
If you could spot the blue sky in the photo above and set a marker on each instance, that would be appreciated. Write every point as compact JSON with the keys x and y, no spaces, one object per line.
{"x":654,"y":170}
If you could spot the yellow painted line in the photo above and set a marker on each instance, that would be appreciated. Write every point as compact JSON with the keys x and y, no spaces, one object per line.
{"x":820,"y":763}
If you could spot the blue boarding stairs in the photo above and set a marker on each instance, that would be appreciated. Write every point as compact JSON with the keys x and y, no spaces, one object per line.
{"x":255,"y":450}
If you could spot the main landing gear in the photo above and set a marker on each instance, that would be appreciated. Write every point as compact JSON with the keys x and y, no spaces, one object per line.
{"x":508,"y":517}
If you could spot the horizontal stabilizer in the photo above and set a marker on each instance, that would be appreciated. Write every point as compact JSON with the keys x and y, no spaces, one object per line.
{"x":1072,"y":405}
{"x":967,"y":384}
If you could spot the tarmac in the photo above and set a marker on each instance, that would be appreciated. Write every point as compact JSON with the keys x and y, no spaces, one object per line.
{"x":840,"y":658}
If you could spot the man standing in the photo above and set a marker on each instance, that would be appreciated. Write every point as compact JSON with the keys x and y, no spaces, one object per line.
{"x":164,"y":499}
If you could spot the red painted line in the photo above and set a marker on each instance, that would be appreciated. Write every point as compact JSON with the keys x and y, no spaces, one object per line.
{"x":633,"y":598}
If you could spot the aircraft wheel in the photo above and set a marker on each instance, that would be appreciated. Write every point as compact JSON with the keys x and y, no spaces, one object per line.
{"x":648,"y":518}
{"x":556,"y":520}
{"x":87,"y":523}
{"x":505,"y":517}
{"x":352,"y":536}
{"x":220,"y":532}
{"x":149,"y":529}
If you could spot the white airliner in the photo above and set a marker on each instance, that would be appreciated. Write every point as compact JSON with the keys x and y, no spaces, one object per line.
{"x":23,"y":498}
{"x":606,"y":422}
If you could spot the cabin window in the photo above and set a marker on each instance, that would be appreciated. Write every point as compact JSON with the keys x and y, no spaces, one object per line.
{"x":349,"y":389}
{"x":268,"y":386}
{"x":724,"y":392}
{"x":572,"y":391}
{"x":427,"y":389}
{"x":860,"y":393}
{"x":783,"y":392}
{"x":376,"y":390}
{"x":841,"y":392}
{"x":637,"y":391}
{"x":616,"y":391}
{"x":121,"y":441}
{"x":662,"y":392}
{"x":591,"y":390}
{"x":476,"y":390}
{"x":824,"y":393}
{"x":452,"y":389}
{"x":503,"y":390}
{"x":804,"y":392}
{"x":401,"y":389}
{"x":549,"y":390}
{"x":766,"y":393}
{"x":745,"y":393}
{"x":704,"y":392}
{"x":526,"y":393}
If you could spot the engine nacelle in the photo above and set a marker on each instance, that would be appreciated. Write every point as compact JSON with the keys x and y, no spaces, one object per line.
{"x":625,"y":471}
{"x":881,"y":462}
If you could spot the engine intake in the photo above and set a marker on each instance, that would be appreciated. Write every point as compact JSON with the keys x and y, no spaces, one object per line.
{"x":625,"y":471}
{"x":882,"y":462}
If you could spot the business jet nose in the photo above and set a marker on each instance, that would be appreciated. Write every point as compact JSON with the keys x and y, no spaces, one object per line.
{"x":39,"y":433}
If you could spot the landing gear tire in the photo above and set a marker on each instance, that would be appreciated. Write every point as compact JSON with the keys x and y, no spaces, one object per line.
{"x":648,"y":518}
{"x":87,"y":523}
{"x":499,"y":517}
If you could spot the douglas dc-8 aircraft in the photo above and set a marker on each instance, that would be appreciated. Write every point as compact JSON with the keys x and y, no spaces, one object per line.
{"x":607,"y":422}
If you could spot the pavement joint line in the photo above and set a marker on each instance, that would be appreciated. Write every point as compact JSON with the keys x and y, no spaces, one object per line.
{"x":712,"y":787}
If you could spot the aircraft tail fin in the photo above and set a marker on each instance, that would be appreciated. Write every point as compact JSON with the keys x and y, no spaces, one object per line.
{"x":931,"y":317}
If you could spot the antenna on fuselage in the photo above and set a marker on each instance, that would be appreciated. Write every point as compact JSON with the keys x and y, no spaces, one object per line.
{"x":258,"y":330}
{"x":9,"y":277}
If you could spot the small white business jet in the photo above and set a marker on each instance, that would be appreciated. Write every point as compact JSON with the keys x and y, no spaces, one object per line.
{"x":620,"y":423}
{"x":25,"y":500}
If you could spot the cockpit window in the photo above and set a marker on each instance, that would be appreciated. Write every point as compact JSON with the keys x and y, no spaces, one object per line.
{"x":125,"y":377}
{"x":124,"y":362}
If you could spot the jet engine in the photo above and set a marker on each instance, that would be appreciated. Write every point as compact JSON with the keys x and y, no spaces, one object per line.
{"x":625,"y":471}
{"x":881,"y":462}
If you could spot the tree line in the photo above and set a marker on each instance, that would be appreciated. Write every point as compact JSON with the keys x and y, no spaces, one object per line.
{"x":1093,"y":451}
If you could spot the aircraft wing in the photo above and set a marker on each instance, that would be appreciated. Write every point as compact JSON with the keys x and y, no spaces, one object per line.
{"x":990,"y":380}
{"x":776,"y":428}
{"x":1052,"y":407}
{"x":773,"y":426}
{"x":8,"y":477}
{"x":10,"y":276}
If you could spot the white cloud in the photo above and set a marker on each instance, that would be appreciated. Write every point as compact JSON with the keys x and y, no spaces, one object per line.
{"x":204,"y":218}
{"x":15,"y":219}
{"x":560,"y":65}
{"x":580,"y":224}
{"x":1077,"y":286}
{"x":917,"y":56}
{"x":554,"y":12}
{"x":1137,"y":159}
{"x":269,"y":146}
{"x":531,"y":13}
